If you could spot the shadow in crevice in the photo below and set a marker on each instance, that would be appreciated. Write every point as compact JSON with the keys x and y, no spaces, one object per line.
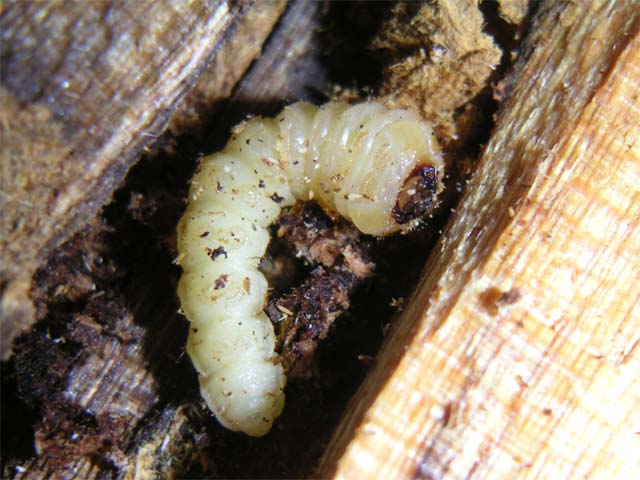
{"x":18,"y":417}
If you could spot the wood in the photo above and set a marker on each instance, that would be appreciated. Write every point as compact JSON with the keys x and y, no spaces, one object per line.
{"x":86,"y":88}
{"x":228,"y":66}
{"x":517,"y":355}
{"x":441,"y":60}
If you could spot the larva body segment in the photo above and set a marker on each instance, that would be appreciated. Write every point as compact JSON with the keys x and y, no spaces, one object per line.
{"x":355,"y":161}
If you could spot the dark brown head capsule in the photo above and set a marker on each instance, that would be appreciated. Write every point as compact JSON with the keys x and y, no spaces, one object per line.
{"x":416,"y":199}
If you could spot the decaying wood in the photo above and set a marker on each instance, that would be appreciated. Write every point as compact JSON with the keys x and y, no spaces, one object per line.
{"x":85,"y":89}
{"x":303,"y":316}
{"x":288,"y":70}
{"x":513,"y":11}
{"x":517,"y":356}
{"x":439,"y":59}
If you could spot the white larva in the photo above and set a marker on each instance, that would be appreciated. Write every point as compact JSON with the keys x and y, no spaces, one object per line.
{"x":353,"y":160}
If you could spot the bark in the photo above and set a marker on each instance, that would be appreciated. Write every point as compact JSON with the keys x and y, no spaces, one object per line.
{"x":517,"y":355}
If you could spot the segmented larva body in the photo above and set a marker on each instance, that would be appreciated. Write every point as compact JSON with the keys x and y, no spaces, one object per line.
{"x":353,"y":160}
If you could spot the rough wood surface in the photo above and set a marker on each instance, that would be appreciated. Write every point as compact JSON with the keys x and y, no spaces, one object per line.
{"x":86,"y":87}
{"x":439,"y":58}
{"x":228,"y":66}
{"x":517,"y":357}
{"x":513,"y":11}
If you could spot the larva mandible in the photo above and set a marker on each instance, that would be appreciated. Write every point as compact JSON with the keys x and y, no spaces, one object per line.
{"x":379,"y":168}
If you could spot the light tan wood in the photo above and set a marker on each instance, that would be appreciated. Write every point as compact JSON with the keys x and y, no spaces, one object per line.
{"x":517,"y":357}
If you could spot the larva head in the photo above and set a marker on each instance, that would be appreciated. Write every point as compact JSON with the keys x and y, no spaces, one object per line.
{"x":417,"y":198}
{"x":398,"y":180}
